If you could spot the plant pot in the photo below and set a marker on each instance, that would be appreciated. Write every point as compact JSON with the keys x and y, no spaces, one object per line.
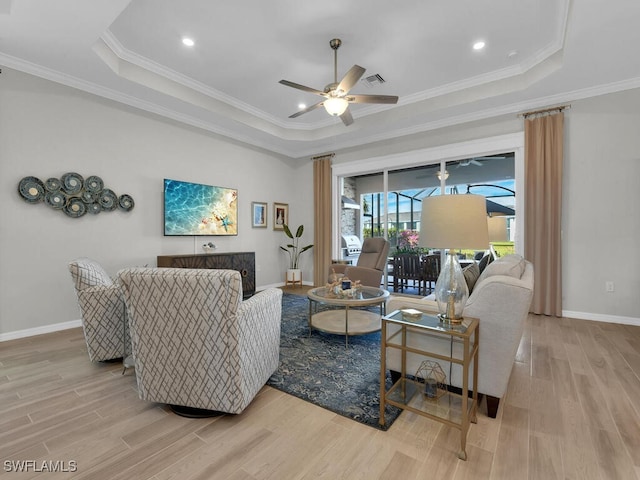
{"x":294,"y":275}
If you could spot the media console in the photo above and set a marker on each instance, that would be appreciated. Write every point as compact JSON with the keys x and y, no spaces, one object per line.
{"x":244,"y":262}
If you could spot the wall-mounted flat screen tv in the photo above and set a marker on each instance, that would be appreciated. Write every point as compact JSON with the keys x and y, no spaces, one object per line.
{"x":197,"y":209}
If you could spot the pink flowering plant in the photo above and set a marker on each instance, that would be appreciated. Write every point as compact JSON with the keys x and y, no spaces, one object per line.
{"x":408,"y":242}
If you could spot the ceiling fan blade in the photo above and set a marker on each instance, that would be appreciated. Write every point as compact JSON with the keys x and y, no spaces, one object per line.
{"x":351,"y":78}
{"x":346,"y":117}
{"x":302,"y":87}
{"x":372,"y":99}
{"x":308,"y":109}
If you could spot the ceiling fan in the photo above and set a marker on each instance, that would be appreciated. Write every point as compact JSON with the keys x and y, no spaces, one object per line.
{"x":476,"y":161}
{"x":336,"y":95}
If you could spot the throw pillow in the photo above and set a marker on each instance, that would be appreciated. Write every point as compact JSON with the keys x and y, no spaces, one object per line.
{"x":86,"y":273}
{"x":471,"y":274}
{"x":512,"y":266}
{"x":484,"y":261}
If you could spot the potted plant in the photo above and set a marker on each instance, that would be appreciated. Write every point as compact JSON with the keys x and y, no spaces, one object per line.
{"x":294,"y":250}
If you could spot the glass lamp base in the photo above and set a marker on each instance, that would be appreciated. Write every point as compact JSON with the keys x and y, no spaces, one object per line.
{"x":451,"y":290}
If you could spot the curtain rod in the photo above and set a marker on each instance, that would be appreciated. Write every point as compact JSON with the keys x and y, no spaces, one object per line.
{"x":329,"y":155}
{"x":545,"y":110}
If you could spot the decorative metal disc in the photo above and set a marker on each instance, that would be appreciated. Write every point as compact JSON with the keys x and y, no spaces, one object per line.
{"x":89,"y":197}
{"x":108,"y":200}
{"x":52,"y":184}
{"x":126,"y":202}
{"x":31,"y":189}
{"x":72,"y":183}
{"x":55,"y":200}
{"x":94,"y":208}
{"x":75,"y":208}
{"x":93,"y":184}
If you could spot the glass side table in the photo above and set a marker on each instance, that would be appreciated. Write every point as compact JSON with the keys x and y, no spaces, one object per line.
{"x":451,"y":408}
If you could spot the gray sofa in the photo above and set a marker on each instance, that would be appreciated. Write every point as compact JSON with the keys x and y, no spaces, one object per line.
{"x":500,"y":299}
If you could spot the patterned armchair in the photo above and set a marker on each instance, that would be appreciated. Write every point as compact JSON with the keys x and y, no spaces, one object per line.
{"x":197,"y":346}
{"x":102,"y":310}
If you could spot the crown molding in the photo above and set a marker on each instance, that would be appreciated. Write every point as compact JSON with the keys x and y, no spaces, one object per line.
{"x":298,"y":148}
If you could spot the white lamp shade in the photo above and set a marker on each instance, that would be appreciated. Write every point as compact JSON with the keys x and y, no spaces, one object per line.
{"x":454,"y":221}
{"x":497,"y":229}
{"x":335,"y":106}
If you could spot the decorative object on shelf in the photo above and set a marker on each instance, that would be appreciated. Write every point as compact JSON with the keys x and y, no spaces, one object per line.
{"x":435,"y":381}
{"x":280,"y":215}
{"x":259,"y":214}
{"x":336,"y":288}
{"x":453,"y":222}
{"x":294,"y":250}
{"x":73,"y":195}
{"x":208,"y":247}
{"x":411,"y":314}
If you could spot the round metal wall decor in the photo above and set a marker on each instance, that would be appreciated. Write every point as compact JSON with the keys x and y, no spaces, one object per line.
{"x":93,"y":184}
{"x":75,"y":207}
{"x":31,"y":189}
{"x":94,"y":208}
{"x":108,"y":200}
{"x":89,"y":197}
{"x":53,"y":184}
{"x":126,"y":202}
{"x":74,"y":195}
{"x":72,"y":183}
{"x":55,"y":200}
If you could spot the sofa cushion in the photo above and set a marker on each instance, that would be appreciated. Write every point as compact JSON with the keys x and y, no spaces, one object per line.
{"x":510,"y":265}
{"x":87,"y":273}
{"x":471,"y":274}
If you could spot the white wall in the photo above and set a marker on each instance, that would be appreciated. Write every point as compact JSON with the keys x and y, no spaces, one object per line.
{"x":47,"y":130}
{"x":601,"y":197}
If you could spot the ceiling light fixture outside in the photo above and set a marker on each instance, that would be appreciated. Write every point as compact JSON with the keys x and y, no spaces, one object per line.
{"x":439,"y":175}
{"x":188,"y":42}
{"x":478,"y":45}
{"x":335,"y":106}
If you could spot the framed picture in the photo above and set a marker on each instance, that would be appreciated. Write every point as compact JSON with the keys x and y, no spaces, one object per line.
{"x":280,"y":215}
{"x":259,"y":214}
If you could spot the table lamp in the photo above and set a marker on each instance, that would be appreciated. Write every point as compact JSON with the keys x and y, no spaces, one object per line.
{"x":453,"y":222}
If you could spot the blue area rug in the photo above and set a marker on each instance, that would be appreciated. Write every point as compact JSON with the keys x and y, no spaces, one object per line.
{"x":320,"y":370}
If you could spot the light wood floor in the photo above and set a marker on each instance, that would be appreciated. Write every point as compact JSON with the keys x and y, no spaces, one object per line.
{"x":572,"y":411}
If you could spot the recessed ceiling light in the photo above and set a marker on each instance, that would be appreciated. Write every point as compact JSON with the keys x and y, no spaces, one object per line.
{"x":188,"y":42}
{"x":302,"y":106}
{"x":478,"y":45}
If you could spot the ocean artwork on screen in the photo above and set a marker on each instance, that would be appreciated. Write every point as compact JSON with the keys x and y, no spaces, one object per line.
{"x":198,"y":209}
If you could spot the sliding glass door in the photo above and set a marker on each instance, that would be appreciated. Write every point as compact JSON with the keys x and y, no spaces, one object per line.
{"x":390,"y":201}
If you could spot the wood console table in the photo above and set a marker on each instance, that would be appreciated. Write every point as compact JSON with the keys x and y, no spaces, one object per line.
{"x":244,"y":262}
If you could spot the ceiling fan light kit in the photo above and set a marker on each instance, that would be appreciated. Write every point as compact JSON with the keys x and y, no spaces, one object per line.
{"x":337,"y":100}
{"x":335,"y":106}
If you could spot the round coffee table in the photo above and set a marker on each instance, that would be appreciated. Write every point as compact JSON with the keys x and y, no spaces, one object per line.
{"x":343,"y":320}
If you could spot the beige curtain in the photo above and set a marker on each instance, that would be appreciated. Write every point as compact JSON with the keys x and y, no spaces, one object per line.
{"x":543,"y":208}
{"x":322,"y":224}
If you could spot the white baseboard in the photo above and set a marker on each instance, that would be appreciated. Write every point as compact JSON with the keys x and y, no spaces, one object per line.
{"x":599,"y":317}
{"x":30,"y":332}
